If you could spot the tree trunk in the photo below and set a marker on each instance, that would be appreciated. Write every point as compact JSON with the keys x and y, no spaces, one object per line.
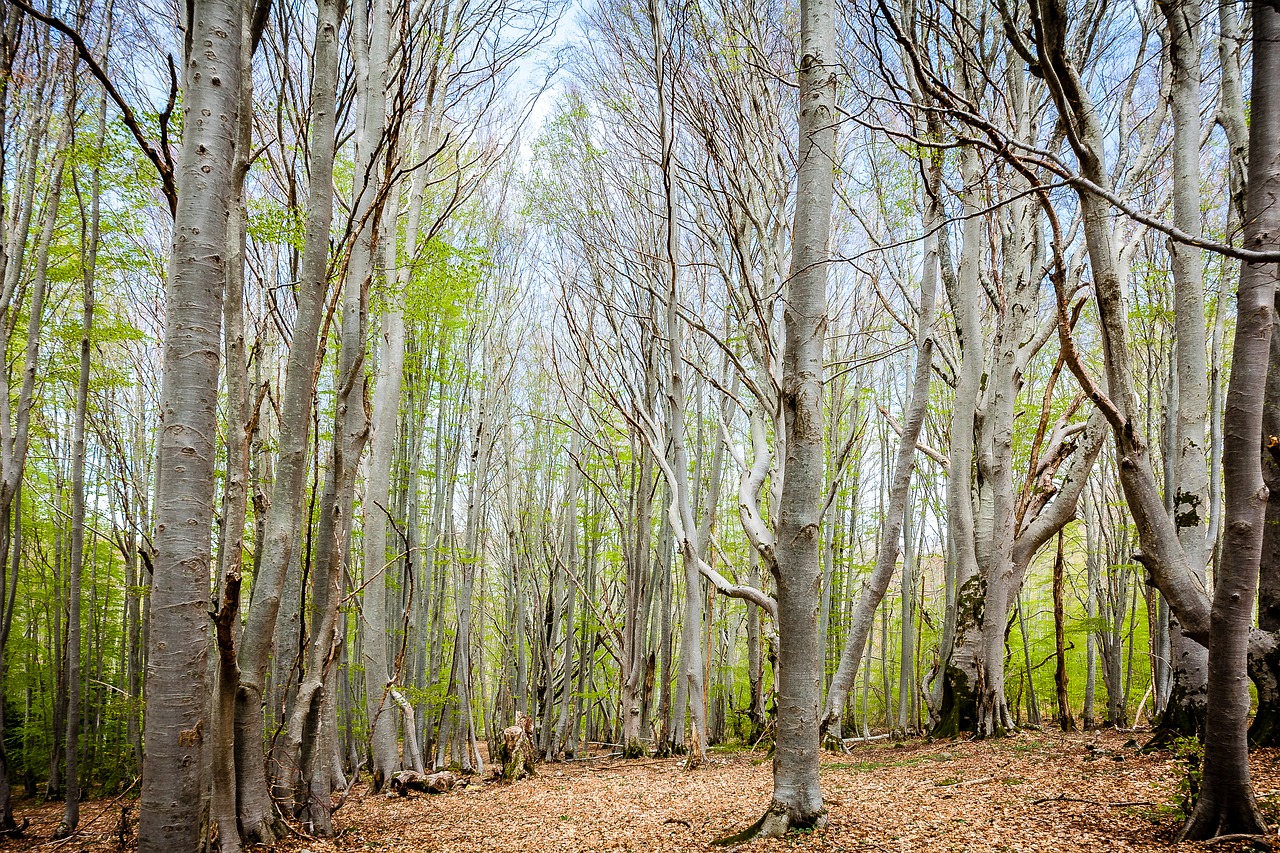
{"x":177,"y":686}
{"x":797,"y":794}
{"x":891,"y":530}
{"x":636,"y":615}
{"x":89,"y":252}
{"x":1184,"y":713}
{"x":235,"y":497}
{"x":385,"y":760}
{"x":1065,"y":720}
{"x":259,"y":822}
{"x":1226,"y":804}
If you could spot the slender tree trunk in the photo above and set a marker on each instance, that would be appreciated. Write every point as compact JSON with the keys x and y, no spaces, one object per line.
{"x":635,"y":617}
{"x":797,"y":794}
{"x":900,"y":484}
{"x":569,"y":555}
{"x":1092,"y":581}
{"x":1065,"y":719}
{"x":71,"y":813}
{"x":907,"y":672}
{"x":373,"y":623}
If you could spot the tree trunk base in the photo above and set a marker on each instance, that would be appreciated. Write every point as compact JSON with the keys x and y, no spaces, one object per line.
{"x":267,"y":830}
{"x":1265,"y":672}
{"x":775,"y":823}
{"x":1265,"y":729}
{"x":1213,"y":818}
{"x":665,"y":749}
{"x":958,"y":712}
{"x":11,"y":829}
{"x":1179,"y":720}
{"x":830,"y":734}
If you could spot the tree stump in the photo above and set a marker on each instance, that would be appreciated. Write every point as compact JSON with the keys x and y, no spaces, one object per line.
{"x":516,"y":752}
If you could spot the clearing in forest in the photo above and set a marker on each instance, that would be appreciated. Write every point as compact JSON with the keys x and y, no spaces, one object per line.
{"x":1034,"y":791}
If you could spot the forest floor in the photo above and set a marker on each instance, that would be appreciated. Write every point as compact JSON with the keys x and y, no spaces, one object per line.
{"x":1033,"y":791}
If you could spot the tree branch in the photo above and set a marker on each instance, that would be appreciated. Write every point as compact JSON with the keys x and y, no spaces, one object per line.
{"x":162,"y":162}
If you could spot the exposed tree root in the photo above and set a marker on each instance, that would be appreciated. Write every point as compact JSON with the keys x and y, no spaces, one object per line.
{"x":775,"y":823}
{"x":13,"y":830}
{"x":1218,"y":821}
{"x":268,"y":832}
{"x":1259,"y":842}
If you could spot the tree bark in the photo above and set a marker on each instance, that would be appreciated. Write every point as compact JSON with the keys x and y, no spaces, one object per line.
{"x":235,"y":497}
{"x":177,"y":688}
{"x":797,"y":794}
{"x":1184,"y":713}
{"x":259,"y":822}
{"x":1226,"y":804}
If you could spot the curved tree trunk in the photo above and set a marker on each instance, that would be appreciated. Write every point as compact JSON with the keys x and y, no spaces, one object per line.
{"x":891,"y":528}
{"x":1226,"y":804}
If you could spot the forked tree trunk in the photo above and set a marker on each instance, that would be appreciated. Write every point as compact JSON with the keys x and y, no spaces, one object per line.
{"x":259,"y":822}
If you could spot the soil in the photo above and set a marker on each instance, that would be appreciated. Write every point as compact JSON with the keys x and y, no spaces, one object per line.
{"x":1032,"y":791}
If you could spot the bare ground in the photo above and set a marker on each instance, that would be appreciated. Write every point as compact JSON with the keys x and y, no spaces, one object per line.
{"x":1033,"y":791}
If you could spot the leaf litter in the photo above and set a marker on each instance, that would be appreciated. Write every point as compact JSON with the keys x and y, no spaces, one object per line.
{"x":1029,"y":792}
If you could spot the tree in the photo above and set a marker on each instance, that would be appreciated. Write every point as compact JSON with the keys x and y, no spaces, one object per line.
{"x":1226,"y":804}
{"x":797,"y":794}
{"x":177,"y":686}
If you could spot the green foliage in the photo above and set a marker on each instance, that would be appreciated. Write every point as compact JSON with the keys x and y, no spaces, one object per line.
{"x":1188,"y":755}
{"x":269,"y":222}
{"x":444,"y":281}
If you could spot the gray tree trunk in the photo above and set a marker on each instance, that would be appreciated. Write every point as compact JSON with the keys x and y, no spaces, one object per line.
{"x":177,"y":686}
{"x":1226,"y":804}
{"x":71,"y":813}
{"x":235,"y":494}
{"x":797,"y":794}
{"x":259,"y":822}
{"x":1184,"y":713}
{"x":374,"y":627}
